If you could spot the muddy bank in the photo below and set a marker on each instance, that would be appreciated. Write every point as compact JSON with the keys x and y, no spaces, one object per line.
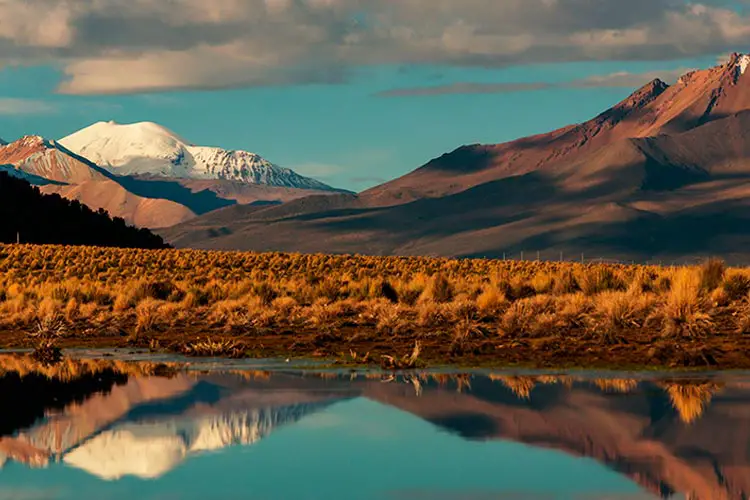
{"x":630,"y":349}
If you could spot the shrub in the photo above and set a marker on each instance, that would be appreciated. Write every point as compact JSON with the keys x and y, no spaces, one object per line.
{"x":599,"y":279}
{"x":438,"y":290}
{"x":265,"y":292}
{"x":615,"y":311}
{"x":520,"y":317}
{"x":385,"y":290}
{"x":683,"y":311}
{"x":566,"y":283}
{"x":737,"y":286}
{"x":711,"y":274}
{"x":491,"y":301}
{"x":159,"y":290}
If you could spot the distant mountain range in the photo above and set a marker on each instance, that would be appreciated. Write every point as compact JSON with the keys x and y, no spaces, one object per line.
{"x":148,"y":175}
{"x":663,"y":174}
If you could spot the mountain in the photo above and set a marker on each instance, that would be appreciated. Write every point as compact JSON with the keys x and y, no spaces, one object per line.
{"x":40,"y":218}
{"x":146,"y":148}
{"x":59,"y":171}
{"x":171,"y":182}
{"x":37,"y":156}
{"x":664,"y":174}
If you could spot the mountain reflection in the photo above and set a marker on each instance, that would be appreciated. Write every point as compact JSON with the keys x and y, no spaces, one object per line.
{"x":669,"y":435}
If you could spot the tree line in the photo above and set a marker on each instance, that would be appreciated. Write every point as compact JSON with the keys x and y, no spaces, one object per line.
{"x":33,"y":217}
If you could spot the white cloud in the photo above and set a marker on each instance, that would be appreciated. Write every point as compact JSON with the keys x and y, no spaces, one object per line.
{"x":118,"y":46}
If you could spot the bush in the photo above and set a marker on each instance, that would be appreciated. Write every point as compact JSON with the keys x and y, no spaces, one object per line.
{"x":712,"y":274}
{"x":439,"y":290}
{"x":736,"y":286}
{"x":385,"y":290}
{"x":159,"y":290}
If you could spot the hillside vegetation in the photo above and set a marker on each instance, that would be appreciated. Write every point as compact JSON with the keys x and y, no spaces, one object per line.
{"x":39,"y":218}
{"x":496,"y":311}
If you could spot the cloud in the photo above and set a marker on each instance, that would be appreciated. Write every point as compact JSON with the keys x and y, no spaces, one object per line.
{"x":145,"y":46}
{"x":622,"y":79}
{"x":11,"y":106}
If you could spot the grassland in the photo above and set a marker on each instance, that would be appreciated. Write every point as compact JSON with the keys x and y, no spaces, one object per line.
{"x":395,"y":312}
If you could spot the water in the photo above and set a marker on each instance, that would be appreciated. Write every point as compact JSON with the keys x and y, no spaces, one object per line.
{"x":229,"y":431}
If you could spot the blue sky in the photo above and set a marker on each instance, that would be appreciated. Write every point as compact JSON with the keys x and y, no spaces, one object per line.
{"x":310,"y":84}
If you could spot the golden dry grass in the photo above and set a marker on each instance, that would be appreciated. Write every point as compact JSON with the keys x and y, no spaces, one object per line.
{"x":141,"y":291}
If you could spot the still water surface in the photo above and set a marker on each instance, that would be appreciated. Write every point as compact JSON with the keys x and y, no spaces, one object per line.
{"x":289,"y":434}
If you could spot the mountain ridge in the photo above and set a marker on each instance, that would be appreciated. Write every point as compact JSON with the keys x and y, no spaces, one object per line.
{"x":617,"y":186}
{"x":145,"y":201}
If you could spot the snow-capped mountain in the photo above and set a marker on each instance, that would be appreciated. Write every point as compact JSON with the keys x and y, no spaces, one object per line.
{"x":147,"y":148}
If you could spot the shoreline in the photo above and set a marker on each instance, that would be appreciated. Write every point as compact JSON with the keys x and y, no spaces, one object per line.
{"x":572,"y":350}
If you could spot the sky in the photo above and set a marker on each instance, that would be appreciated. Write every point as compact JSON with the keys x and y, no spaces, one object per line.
{"x":352,"y":92}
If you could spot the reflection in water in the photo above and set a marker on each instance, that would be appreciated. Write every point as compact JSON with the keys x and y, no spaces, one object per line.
{"x":690,"y":399}
{"x":165,"y":426}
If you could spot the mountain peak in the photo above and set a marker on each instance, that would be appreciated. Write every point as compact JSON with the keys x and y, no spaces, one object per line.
{"x":639,"y":99}
{"x":143,"y":130}
{"x":147,"y":148}
{"x":740,"y":62}
{"x":33,"y":140}
{"x":645,"y":94}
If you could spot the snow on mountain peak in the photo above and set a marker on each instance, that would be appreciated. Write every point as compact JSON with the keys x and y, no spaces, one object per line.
{"x":147,"y":148}
{"x":743,"y":62}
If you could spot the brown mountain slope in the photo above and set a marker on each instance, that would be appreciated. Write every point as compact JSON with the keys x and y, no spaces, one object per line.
{"x":661,"y":175}
{"x":119,"y":202}
{"x":656,"y":108}
{"x":246,"y":194}
{"x":37,"y":156}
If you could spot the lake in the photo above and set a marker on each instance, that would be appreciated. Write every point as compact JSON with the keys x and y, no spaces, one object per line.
{"x":269,"y":430}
